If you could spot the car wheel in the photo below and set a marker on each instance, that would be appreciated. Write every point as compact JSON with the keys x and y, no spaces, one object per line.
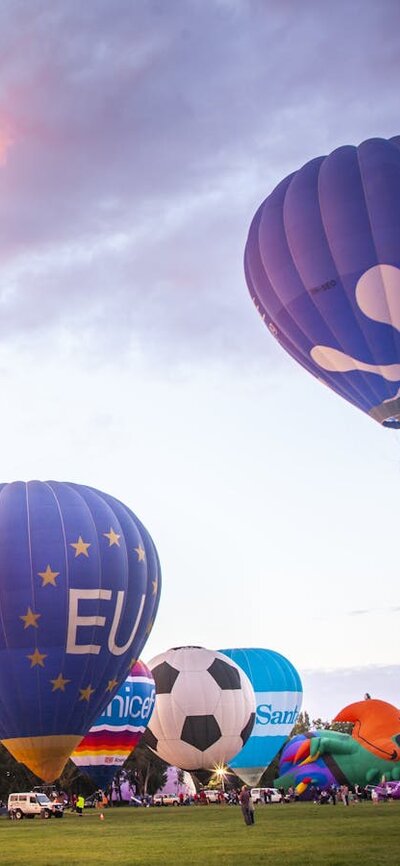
{"x":47,"y":813}
{"x":18,"y":815}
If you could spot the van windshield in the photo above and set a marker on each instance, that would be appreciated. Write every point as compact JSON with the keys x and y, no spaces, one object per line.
{"x":42,"y":799}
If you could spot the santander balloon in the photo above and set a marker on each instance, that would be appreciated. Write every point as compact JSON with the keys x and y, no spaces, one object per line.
{"x":279,"y":694}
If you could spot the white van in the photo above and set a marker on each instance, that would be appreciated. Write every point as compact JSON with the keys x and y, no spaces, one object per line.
{"x":265,"y":795}
{"x":31,"y":803}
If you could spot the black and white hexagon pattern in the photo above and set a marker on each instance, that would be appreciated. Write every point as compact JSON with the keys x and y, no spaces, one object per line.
{"x":205,"y":708}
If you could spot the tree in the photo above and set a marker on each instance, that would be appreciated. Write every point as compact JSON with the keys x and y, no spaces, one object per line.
{"x":342,"y":727}
{"x":145,"y":770}
{"x":302,"y":725}
{"x":319,"y":725}
{"x":14,"y":776}
{"x":73,"y":781}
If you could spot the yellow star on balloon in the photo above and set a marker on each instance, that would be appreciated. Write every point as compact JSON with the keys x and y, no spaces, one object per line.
{"x":140,"y":553}
{"x":86,"y":694}
{"x":81,"y":546}
{"x":37,"y":658}
{"x":112,"y":536}
{"x":111,"y":685}
{"x":59,"y":683}
{"x":30,"y":618}
{"x":48,"y":576}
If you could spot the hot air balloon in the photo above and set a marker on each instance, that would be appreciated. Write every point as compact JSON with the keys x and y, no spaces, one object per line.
{"x":279,"y":694}
{"x":119,"y":728}
{"x":79,"y":589}
{"x":204,"y":708}
{"x":371,"y":752}
{"x":376,"y":727}
{"x":322,"y":263}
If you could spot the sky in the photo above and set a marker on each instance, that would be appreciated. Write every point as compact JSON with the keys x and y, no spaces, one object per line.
{"x":137,"y":139}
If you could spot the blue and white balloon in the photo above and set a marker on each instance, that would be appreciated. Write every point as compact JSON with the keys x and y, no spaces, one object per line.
{"x":279,"y":693}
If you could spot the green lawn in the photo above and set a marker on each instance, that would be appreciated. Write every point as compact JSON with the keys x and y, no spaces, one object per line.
{"x":300,"y":834}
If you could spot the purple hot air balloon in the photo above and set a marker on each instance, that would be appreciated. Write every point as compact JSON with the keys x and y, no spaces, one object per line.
{"x":322,"y":263}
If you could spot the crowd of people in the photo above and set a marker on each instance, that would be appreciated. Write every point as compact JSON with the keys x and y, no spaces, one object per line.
{"x":342,"y":793}
{"x":242,"y":797}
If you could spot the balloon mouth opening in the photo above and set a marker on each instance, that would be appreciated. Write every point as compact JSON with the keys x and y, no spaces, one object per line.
{"x":393,"y":423}
{"x":387,"y":413}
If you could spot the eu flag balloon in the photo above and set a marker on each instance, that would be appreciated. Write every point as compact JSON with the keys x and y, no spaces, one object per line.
{"x":79,"y":590}
{"x":322,"y":263}
{"x":119,"y":728}
{"x":279,"y":694}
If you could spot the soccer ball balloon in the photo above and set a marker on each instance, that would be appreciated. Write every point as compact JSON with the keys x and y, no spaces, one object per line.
{"x":205,"y":708}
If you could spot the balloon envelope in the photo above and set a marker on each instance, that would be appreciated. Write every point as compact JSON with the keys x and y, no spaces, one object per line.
{"x":79,"y":589}
{"x":204,"y":708}
{"x":279,"y":694}
{"x":323,"y":758}
{"x":306,"y":776}
{"x":118,"y":730}
{"x":322,"y":263}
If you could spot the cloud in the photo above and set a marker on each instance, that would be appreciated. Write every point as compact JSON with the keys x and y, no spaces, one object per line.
{"x":138,"y":141}
{"x":373,"y":610}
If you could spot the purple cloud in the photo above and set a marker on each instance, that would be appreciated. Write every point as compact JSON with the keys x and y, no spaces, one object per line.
{"x":136,"y":141}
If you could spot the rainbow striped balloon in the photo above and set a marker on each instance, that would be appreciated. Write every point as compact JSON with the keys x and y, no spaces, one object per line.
{"x":117,"y":732}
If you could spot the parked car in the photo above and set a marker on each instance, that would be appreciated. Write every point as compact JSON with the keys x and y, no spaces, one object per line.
{"x":394,"y":790}
{"x":265,"y":795}
{"x":165,"y":800}
{"x":30,"y":803}
{"x":388,"y":791}
{"x":380,"y":790}
{"x":92,"y":801}
{"x":214,"y":796}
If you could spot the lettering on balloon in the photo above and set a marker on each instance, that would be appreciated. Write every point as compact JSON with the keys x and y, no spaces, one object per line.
{"x":133,"y":706}
{"x":265,"y":715}
{"x":77,"y":622}
{"x":323,"y":287}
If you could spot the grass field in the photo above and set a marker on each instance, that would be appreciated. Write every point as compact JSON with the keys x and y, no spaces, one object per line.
{"x":299,"y":834}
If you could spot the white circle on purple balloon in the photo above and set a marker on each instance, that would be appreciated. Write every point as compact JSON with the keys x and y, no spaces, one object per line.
{"x":378,"y":294}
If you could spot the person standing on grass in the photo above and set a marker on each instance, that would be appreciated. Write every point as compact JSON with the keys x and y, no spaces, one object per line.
{"x":245,"y":799}
{"x":251,"y":809}
{"x":80,"y":805}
